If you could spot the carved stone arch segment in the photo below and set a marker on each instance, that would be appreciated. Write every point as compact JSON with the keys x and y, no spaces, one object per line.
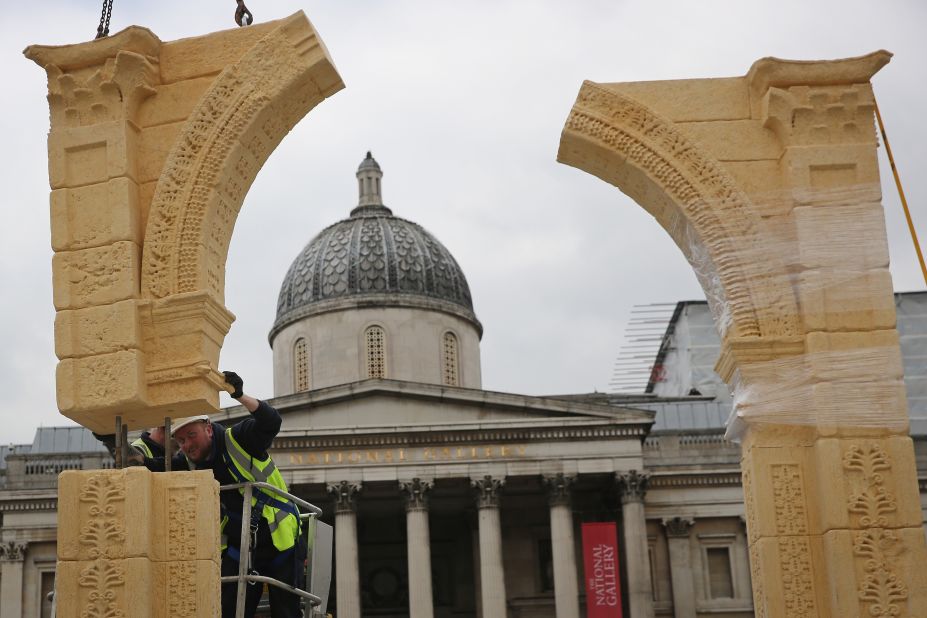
{"x":153,"y":146}
{"x":769,"y":184}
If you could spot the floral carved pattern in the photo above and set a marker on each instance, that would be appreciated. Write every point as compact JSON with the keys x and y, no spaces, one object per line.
{"x":102,"y":577}
{"x":103,"y":533}
{"x":881,"y":588}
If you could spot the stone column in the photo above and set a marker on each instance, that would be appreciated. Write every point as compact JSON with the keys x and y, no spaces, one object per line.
{"x":680,"y":555}
{"x":492,"y":574}
{"x":421,"y":604}
{"x":347,"y":572}
{"x":566,"y":587}
{"x":632,"y":486}
{"x":11,"y":579}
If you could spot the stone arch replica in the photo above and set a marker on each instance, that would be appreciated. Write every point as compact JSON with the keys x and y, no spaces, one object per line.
{"x":769,"y":184}
{"x":152,"y":149}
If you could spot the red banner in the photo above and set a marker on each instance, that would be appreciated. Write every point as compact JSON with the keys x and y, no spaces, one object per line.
{"x":600,"y":559}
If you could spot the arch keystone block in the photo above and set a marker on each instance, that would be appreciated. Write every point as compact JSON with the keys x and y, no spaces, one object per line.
{"x":152,"y":148}
{"x":769,"y":185}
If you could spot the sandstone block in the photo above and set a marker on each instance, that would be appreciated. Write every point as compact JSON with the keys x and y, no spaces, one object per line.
{"x":691,"y":100}
{"x":135,"y":513}
{"x":155,"y":144}
{"x":826,"y":172}
{"x":793,"y":581}
{"x":735,"y":140}
{"x":844,"y":300}
{"x":91,"y":384}
{"x":821,"y":231}
{"x":97,"y":330}
{"x":95,"y":215}
{"x":137,"y":588}
{"x":92,"y":154}
{"x":854,"y":356}
{"x":884,"y":577}
{"x":97,"y":276}
{"x":174,"y":102}
{"x":866,"y":483}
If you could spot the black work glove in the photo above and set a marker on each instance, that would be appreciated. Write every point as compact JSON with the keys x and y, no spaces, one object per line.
{"x":235,"y":382}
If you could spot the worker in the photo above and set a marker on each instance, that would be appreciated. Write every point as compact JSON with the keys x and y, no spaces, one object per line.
{"x":150,"y":443}
{"x":239,"y":454}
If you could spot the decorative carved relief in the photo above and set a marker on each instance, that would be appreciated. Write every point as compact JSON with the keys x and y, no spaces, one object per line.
{"x":181,"y":599}
{"x":882,"y":590}
{"x":210,"y":168}
{"x":487,"y":491}
{"x":632,"y":485}
{"x":558,"y":488}
{"x":678,"y":526}
{"x":105,"y":580}
{"x":720,"y":213}
{"x":109,"y":94}
{"x":749,"y":504}
{"x":797,"y":578}
{"x":756,"y":581}
{"x":415,"y":493}
{"x":789,"y":499}
{"x":103,"y":531}
{"x":345,"y":495}
{"x":802,"y":115}
{"x":181,"y":535}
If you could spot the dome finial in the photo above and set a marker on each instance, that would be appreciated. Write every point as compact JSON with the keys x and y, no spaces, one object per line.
{"x":368,"y":184}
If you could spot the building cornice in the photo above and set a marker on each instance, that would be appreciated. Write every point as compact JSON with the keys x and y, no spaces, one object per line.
{"x":697,"y":479}
{"x":25,"y":500}
{"x":437,"y":434}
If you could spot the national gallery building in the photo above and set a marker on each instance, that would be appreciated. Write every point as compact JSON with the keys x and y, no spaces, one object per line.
{"x":448,"y":500}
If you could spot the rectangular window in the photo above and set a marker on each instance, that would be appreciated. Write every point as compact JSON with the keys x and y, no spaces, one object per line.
{"x":48,"y":585}
{"x":721,"y":583}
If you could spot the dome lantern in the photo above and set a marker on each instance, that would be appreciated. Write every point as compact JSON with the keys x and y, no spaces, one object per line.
{"x":369,"y":177}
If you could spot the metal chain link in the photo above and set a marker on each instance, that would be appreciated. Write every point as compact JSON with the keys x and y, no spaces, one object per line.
{"x":243,"y":16}
{"x":103,"y":28}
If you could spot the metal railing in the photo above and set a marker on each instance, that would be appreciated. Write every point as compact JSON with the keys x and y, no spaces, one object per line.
{"x":244,"y":578}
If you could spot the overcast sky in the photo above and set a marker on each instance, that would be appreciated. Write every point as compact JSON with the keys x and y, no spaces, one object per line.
{"x":462,"y":104}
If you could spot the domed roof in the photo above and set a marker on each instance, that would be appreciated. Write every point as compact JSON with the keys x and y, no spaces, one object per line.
{"x":372,"y":258}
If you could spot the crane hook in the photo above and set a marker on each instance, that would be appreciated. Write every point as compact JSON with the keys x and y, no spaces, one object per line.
{"x":243,"y":16}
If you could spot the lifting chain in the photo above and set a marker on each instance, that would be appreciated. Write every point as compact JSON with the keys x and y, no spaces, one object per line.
{"x":243,"y":16}
{"x":103,"y":28}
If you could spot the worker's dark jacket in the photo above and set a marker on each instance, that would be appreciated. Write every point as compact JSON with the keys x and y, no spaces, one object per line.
{"x":156,"y":449}
{"x":255,"y":434}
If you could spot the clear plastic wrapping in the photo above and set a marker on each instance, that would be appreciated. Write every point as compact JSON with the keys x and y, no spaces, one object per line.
{"x":803,"y":300}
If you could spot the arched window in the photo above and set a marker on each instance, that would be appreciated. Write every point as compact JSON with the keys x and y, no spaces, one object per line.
{"x":375,"y":340}
{"x":450,"y":371}
{"x":301,"y":365}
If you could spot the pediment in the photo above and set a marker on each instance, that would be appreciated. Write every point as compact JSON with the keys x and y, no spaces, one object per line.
{"x":393,"y":404}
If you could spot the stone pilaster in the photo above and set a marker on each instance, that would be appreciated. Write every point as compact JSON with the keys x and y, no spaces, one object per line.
{"x":415,"y":493}
{"x":492,"y":573}
{"x":11,"y":579}
{"x":135,"y":543}
{"x":633,"y":486}
{"x":347,"y":568}
{"x":678,"y":538}
{"x":563,"y":545}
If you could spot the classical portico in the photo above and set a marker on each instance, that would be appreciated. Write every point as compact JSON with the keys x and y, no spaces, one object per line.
{"x":477,"y":512}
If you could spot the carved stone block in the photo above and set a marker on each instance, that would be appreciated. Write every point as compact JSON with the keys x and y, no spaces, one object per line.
{"x":97,"y":276}
{"x":842,"y":300}
{"x":95,"y":215}
{"x":98,"y":330}
{"x":117,"y":378}
{"x":134,"y":513}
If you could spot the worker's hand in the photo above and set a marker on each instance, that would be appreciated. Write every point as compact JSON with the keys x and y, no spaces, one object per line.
{"x":135,"y":459}
{"x":235,"y":382}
